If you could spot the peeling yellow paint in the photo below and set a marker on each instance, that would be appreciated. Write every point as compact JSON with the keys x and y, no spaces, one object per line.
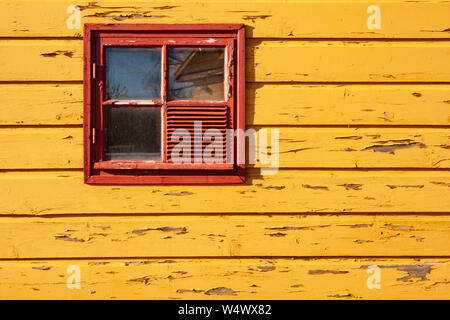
{"x":227,"y":279}
{"x":364,"y":147}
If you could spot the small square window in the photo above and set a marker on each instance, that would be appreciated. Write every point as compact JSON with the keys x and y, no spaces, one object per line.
{"x":164,"y":104}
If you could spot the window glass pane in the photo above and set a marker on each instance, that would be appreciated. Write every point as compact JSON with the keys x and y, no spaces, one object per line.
{"x":196,"y":74}
{"x":133,"y":73}
{"x":133,"y":133}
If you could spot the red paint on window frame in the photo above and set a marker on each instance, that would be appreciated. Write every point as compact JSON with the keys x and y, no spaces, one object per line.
{"x":141,"y":172}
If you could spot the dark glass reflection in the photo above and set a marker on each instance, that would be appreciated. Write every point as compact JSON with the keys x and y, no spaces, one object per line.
{"x":196,"y":74}
{"x":133,"y":73}
{"x":133,"y":133}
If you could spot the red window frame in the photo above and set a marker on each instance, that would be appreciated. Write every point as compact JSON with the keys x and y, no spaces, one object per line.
{"x":99,"y":36}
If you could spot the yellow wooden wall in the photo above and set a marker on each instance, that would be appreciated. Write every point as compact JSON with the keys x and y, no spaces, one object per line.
{"x":364,"y":161}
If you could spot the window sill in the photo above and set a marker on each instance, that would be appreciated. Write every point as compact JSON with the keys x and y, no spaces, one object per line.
{"x":144,"y":165}
{"x":165,"y":179}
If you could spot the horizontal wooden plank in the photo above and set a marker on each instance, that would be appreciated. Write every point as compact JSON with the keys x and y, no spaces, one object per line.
{"x":293,"y":18}
{"x":288,"y":191}
{"x":62,"y":147}
{"x":41,"y":104}
{"x":267,"y":61}
{"x":56,"y":148}
{"x":225,"y":236}
{"x":360,"y":148}
{"x":226,"y":279}
{"x":353,"y":61}
{"x":267,"y":104}
{"x":41,"y":60}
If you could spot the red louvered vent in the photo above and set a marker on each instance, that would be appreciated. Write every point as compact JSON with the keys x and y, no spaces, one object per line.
{"x":210,"y":117}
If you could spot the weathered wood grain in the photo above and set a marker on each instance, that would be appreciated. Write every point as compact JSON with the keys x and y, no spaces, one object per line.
{"x":289,"y":19}
{"x":289,"y":191}
{"x":57,"y":148}
{"x":226,"y":279}
{"x":267,"y":104}
{"x":225,"y":236}
{"x":267,"y":61}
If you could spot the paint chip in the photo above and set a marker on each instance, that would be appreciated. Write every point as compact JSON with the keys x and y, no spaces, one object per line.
{"x":220,"y":291}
